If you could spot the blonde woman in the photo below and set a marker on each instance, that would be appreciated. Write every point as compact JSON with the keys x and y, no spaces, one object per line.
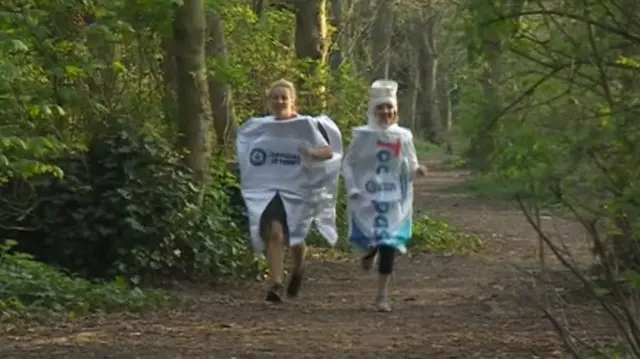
{"x":378,"y":170}
{"x":289,"y":164}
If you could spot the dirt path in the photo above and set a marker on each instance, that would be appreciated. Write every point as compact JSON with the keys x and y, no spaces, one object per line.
{"x":476,"y":306}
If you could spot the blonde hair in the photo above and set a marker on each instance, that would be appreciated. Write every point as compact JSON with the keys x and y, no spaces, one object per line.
{"x":282,"y":83}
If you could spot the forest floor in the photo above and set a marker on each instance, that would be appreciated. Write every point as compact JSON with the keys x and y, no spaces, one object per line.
{"x":480,"y":305}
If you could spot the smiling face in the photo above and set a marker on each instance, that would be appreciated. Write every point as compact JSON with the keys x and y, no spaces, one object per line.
{"x":386,"y":115}
{"x":282,"y":102}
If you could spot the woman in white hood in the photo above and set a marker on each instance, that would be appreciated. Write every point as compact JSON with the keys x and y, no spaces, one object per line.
{"x":378,"y":170}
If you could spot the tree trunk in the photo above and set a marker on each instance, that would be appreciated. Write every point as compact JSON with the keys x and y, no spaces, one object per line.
{"x":259,"y":7}
{"x":356,"y":26}
{"x":429,"y":98}
{"x":336,"y":43}
{"x":625,"y":244}
{"x":194,"y":112}
{"x":169,"y":79}
{"x":444,"y":93}
{"x":416,"y":124}
{"x":492,"y":50}
{"x":415,"y":82}
{"x":104,"y":84}
{"x":310,"y":41}
{"x":220,"y":95}
{"x":381,"y":39}
{"x":446,"y":113}
{"x":490,"y":79}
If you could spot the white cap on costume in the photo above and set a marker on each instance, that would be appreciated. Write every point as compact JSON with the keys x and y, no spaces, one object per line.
{"x":381,"y":92}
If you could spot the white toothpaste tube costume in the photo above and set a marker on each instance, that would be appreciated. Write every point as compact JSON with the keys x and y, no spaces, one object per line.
{"x":378,"y":170}
{"x":271,"y":168}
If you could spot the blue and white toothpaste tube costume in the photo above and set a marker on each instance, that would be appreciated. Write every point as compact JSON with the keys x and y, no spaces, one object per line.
{"x":378,"y":169}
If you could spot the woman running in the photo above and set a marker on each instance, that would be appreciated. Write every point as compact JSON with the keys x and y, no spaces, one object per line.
{"x":289,"y":165}
{"x":378,"y":171}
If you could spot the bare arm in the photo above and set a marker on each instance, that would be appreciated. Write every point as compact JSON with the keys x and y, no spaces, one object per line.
{"x":323,"y":153}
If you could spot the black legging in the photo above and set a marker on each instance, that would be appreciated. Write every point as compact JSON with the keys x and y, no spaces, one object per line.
{"x":386,"y":260}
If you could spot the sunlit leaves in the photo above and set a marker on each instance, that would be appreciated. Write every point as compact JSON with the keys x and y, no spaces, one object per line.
{"x":27,"y":157}
{"x":73,"y":71}
{"x":118,"y":66}
{"x":18,"y":45}
{"x":628,"y":61}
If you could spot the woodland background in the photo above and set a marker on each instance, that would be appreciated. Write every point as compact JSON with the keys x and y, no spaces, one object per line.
{"x":117,"y":122}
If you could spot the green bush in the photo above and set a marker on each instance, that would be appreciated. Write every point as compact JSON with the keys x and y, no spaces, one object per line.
{"x":33,"y":289}
{"x":124,"y":208}
{"x":217,"y":243}
{"x":430,"y":235}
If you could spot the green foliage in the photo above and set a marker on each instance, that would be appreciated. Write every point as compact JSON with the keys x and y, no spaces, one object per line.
{"x":104,"y":193}
{"x":565,"y":134}
{"x":32,"y":289}
{"x":611,"y":352}
{"x":124,"y":208}
{"x":24,"y":157}
{"x":557,"y":89}
{"x":453,"y":163}
{"x":216,"y":244}
{"x":425,"y":149}
{"x":434,"y":236}
{"x":263,"y":51}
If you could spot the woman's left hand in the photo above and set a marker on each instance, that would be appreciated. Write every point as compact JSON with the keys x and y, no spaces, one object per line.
{"x":421,"y":171}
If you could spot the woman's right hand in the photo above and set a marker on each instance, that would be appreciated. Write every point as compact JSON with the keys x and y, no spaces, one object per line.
{"x":316,"y":154}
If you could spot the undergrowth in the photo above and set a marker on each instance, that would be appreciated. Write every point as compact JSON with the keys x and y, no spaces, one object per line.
{"x":33,"y":290}
{"x":435,"y":236}
{"x":426,"y":148}
{"x":611,"y":352}
{"x":453,"y":163}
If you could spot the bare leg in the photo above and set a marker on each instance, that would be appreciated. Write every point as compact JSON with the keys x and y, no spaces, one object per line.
{"x":275,"y":260}
{"x":298,"y":253}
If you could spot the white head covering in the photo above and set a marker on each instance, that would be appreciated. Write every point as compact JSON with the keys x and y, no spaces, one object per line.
{"x":381,"y":92}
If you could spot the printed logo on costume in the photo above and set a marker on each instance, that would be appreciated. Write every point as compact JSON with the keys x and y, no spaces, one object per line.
{"x":257,"y":157}
{"x":260,"y":157}
{"x":392,"y":148}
